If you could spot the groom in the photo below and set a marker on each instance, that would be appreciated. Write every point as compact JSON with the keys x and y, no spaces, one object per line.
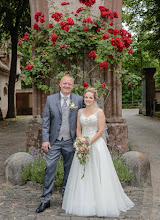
{"x":58,"y":134}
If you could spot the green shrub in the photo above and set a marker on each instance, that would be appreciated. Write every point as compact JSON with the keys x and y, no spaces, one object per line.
{"x":26,"y":175}
{"x":35,"y":172}
{"x":122,"y":170}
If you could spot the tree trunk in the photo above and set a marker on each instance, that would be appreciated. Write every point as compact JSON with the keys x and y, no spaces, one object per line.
{"x":12,"y":78}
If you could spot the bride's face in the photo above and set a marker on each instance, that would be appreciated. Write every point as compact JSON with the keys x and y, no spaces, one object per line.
{"x":89,"y":99}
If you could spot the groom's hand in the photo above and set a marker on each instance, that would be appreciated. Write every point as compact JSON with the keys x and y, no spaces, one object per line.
{"x":46,"y":146}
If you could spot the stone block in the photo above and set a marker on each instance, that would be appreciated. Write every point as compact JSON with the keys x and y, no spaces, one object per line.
{"x":117,"y":140}
{"x":14,"y":166}
{"x":139,"y":165}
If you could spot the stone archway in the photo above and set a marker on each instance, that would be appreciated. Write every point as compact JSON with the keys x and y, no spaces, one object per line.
{"x":117,"y":128}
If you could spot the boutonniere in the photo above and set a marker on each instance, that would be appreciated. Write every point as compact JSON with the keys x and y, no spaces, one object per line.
{"x":72,"y":106}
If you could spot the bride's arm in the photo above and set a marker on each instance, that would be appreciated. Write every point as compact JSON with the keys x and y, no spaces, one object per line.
{"x":79,"y":128}
{"x":101,"y":125}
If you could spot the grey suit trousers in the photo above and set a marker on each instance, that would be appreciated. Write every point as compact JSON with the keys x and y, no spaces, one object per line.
{"x":52,"y":157}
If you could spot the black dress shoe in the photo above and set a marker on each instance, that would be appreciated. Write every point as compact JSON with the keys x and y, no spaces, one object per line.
{"x":42,"y":207}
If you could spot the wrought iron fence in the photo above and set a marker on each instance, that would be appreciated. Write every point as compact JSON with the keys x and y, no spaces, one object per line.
{"x":131,"y":104}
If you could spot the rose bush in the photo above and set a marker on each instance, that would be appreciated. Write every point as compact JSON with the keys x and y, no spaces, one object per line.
{"x":60,"y":45}
{"x":130,"y":79}
{"x":131,"y":89}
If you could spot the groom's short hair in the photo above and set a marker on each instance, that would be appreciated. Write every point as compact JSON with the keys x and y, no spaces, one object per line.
{"x":68,"y":77}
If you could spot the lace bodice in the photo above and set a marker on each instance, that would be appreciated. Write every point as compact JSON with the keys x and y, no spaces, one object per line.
{"x":89,"y":124}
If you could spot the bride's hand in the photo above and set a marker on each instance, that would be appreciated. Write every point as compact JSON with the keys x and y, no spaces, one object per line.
{"x":90,"y":146}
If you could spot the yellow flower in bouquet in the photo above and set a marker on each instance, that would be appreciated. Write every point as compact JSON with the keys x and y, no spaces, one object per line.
{"x":82,"y":148}
{"x":83,"y":139}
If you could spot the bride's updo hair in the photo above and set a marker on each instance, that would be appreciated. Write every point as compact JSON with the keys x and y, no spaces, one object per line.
{"x":93,"y":91}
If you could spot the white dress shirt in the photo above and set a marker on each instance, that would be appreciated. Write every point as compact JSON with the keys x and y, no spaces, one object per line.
{"x":62,"y":100}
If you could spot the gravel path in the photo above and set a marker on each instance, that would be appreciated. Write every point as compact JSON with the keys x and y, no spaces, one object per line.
{"x":144,"y":136}
{"x":12,"y":139}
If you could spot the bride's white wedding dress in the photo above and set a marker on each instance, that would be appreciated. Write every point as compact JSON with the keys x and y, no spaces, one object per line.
{"x":100,"y":192}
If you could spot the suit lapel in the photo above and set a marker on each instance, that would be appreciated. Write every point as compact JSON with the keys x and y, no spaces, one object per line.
{"x":71,"y":100}
{"x":71,"y":97}
{"x":59,"y":104}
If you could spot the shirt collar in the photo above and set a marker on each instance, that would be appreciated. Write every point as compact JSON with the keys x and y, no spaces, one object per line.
{"x":68,"y":96}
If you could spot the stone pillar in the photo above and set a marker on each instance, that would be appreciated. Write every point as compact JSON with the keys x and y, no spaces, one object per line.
{"x":39,"y":100}
{"x":148,"y":90}
{"x":39,"y":97}
{"x":33,"y":133}
{"x":33,"y":130}
{"x":117,"y":127}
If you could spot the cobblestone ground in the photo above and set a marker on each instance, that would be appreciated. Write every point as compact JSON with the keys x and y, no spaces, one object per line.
{"x":20,"y":202}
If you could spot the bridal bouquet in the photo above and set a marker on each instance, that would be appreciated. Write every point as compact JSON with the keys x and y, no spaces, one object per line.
{"x":82,"y":148}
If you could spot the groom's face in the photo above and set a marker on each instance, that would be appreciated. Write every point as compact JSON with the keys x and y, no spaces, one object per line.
{"x":66,"y":85}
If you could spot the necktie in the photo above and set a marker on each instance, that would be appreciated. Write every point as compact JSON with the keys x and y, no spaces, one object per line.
{"x":64,"y":106}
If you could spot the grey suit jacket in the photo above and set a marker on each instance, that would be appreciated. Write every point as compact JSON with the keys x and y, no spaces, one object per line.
{"x":52,"y":117}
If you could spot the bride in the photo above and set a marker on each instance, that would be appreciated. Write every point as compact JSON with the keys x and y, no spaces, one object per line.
{"x":100,"y":192}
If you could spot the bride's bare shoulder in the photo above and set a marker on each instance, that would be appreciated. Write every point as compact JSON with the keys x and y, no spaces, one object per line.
{"x":80,"y":111}
{"x":100,"y":112}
